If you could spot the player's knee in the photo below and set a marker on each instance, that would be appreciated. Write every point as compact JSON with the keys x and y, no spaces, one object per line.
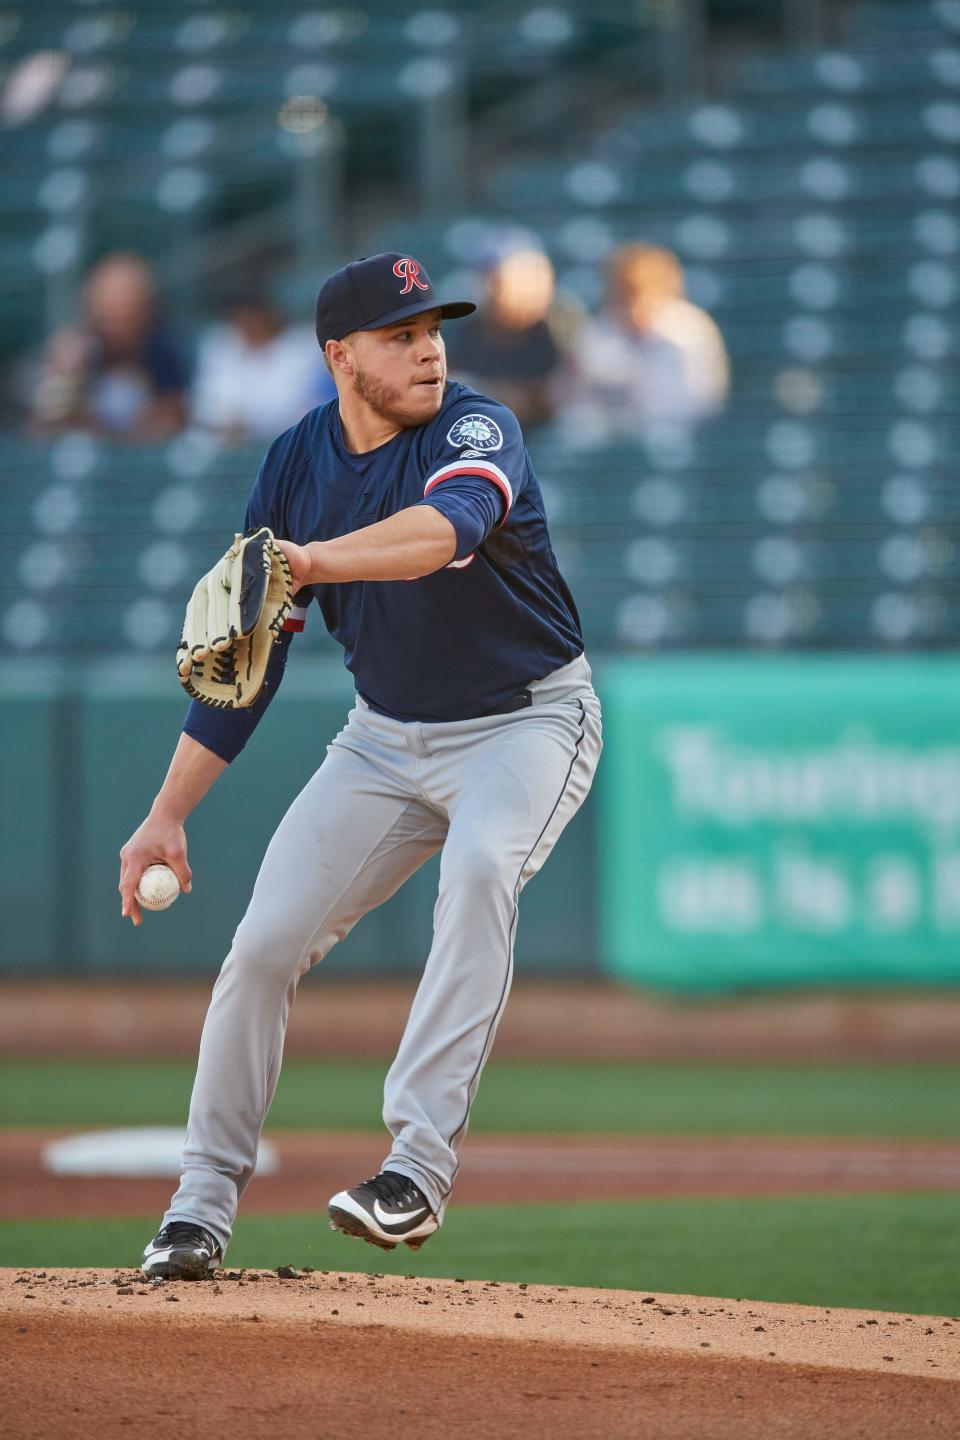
{"x":264,"y":956}
{"x":480,"y":864}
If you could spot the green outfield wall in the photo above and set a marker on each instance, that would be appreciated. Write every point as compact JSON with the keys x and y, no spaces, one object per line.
{"x":82,"y":761}
{"x":769,"y":821}
{"x":756,"y":822}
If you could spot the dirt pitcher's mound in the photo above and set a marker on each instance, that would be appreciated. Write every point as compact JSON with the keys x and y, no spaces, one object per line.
{"x":107,"y":1354}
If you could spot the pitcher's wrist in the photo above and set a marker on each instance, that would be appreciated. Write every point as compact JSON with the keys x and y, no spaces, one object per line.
{"x":316,"y":553}
{"x":166,"y":809}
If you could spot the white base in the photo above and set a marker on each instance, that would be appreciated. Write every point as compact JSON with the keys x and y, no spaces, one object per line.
{"x":145,"y":1150}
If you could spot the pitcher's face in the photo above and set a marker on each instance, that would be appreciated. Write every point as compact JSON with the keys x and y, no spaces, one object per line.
{"x":400,"y":371}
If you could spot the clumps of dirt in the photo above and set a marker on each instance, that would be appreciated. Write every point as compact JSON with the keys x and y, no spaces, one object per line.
{"x":843,"y":1339}
{"x":291,"y":1349}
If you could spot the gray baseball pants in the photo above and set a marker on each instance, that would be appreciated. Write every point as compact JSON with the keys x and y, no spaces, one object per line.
{"x":495,"y":794}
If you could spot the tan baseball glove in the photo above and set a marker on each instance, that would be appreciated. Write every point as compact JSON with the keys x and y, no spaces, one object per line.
{"x":234,"y":618}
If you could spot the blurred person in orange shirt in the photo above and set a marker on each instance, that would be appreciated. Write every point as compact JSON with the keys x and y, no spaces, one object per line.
{"x":117,"y":371}
{"x":256,"y":375}
{"x":510,"y":350}
{"x":650,"y":356}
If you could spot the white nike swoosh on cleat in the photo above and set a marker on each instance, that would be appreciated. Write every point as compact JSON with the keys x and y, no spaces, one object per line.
{"x":397,"y":1217}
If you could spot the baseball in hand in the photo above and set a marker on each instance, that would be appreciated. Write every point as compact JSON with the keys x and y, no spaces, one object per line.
{"x":158,"y":887}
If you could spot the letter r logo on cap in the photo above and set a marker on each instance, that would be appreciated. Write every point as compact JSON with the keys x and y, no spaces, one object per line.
{"x":409,"y":271}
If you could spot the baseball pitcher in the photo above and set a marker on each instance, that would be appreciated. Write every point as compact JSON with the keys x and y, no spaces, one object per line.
{"x":408,"y":508}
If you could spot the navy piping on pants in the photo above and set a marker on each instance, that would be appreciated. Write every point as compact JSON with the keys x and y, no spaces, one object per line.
{"x":513,"y":928}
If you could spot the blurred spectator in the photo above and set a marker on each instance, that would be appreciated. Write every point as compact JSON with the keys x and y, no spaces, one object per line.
{"x":257,"y":375}
{"x":116,"y":371}
{"x":650,"y":356}
{"x":508,"y":350}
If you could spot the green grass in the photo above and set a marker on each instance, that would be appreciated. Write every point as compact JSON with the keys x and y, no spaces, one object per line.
{"x":792,"y":1099}
{"x":875,"y":1252}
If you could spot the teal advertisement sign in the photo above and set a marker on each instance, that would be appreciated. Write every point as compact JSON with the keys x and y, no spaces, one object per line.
{"x":781,"y":821}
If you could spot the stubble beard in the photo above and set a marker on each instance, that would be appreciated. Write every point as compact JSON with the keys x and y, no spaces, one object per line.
{"x":385,"y":400}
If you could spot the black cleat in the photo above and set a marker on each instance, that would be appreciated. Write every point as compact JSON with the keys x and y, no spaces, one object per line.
{"x":181,"y":1251}
{"x":383,"y":1211}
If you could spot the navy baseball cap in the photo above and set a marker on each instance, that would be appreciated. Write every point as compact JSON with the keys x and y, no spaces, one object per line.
{"x":379,"y":290}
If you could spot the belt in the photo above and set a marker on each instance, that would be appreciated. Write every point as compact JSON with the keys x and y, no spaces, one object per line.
{"x":516,"y":702}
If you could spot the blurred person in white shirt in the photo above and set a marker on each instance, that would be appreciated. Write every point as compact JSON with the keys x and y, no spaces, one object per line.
{"x":256,"y":375}
{"x":650,"y":357}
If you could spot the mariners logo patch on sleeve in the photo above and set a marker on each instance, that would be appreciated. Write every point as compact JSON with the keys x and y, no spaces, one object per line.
{"x":478,"y":431}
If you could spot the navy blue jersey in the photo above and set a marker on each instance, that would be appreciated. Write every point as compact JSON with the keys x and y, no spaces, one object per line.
{"x":448,"y":646}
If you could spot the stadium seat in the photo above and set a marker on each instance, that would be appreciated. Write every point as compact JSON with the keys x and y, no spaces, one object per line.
{"x":814,"y":207}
